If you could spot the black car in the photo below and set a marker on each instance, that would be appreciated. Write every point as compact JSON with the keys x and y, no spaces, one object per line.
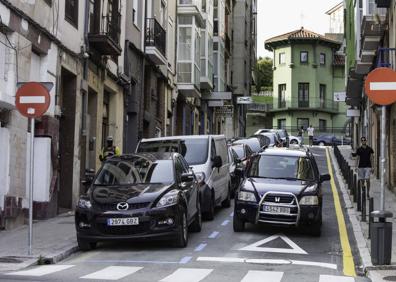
{"x":330,"y":140}
{"x":142,"y":196}
{"x":282,"y":186}
{"x":239,"y":155}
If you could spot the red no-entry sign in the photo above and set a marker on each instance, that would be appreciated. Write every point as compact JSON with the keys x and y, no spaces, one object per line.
{"x":32,"y":99}
{"x":380,"y":86}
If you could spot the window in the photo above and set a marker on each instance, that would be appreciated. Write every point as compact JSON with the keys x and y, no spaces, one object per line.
{"x":322,"y":59}
{"x":322,"y":125}
{"x":322,"y":95}
{"x":282,"y":123}
{"x":281,"y":95}
{"x":304,"y":57}
{"x":303,"y":95}
{"x":282,"y":58}
{"x":71,"y":12}
{"x":304,"y":122}
{"x":134,"y":12}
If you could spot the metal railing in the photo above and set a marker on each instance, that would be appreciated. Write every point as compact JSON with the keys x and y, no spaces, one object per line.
{"x":155,"y":35}
{"x":259,"y":107}
{"x":312,"y":103}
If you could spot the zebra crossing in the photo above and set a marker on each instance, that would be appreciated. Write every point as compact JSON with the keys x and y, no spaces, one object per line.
{"x":114,"y":273}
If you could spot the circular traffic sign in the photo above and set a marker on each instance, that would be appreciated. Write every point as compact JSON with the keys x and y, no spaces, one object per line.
{"x":32,"y":99}
{"x":380,"y":86}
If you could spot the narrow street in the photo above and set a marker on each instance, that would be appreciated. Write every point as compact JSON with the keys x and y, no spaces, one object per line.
{"x":217,"y":253}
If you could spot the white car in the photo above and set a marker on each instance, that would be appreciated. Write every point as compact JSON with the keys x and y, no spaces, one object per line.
{"x":294,"y":140}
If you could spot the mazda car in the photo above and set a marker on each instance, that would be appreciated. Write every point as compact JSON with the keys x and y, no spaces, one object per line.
{"x":282,"y":186}
{"x":142,"y":196}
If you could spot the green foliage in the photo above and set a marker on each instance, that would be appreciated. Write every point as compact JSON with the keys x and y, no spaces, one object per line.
{"x":264,"y":74}
{"x":262,"y":99}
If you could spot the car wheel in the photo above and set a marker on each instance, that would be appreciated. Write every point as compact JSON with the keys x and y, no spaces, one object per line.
{"x":209,"y":215}
{"x":321,"y":143}
{"x":196,"y":226}
{"x":227,"y":202}
{"x":293,"y":141}
{"x":85,"y":245}
{"x":182,"y":234}
{"x":238,"y":224}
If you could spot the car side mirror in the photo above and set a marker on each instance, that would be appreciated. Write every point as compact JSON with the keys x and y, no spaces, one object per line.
{"x":324,"y":177}
{"x":187,"y":177}
{"x":217,"y":162}
{"x":239,"y":172}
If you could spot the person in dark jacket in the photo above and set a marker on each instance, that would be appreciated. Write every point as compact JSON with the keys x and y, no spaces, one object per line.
{"x":366,"y":157}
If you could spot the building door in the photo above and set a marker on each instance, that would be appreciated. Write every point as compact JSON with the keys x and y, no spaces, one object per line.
{"x":303,"y":95}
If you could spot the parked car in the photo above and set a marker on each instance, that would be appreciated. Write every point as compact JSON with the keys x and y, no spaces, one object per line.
{"x":282,"y":187}
{"x":329,"y":140}
{"x":207,"y":155}
{"x":294,"y":140}
{"x":273,"y":138}
{"x":284,"y":136}
{"x":252,"y":142}
{"x":143,"y":196}
{"x":262,"y":130}
{"x":239,"y":157}
{"x":265,"y":141}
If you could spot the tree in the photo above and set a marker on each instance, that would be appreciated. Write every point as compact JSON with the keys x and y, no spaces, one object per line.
{"x":264,"y":74}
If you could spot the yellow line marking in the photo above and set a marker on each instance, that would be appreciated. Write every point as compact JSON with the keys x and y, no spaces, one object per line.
{"x":349,"y":265}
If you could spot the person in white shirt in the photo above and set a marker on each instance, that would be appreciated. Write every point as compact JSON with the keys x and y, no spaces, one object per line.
{"x":310,"y":131}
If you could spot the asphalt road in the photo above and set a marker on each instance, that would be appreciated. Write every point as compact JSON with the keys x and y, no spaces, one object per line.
{"x":218,"y":254}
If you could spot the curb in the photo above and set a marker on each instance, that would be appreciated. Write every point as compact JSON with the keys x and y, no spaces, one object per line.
{"x":61,"y":256}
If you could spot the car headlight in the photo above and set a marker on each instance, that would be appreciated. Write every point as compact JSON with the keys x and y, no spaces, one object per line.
{"x":309,"y":201}
{"x":168,"y":199}
{"x":311,"y":188}
{"x":200,"y":177}
{"x":246,"y":196}
{"x":84,"y":204}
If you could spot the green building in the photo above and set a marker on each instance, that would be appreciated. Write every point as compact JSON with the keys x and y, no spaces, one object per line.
{"x":307,"y":71}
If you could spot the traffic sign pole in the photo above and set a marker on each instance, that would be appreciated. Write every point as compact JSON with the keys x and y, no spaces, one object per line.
{"x":31,"y":175}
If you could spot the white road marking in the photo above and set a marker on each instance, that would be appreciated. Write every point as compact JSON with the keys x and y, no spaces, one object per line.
{"x":382,"y":85}
{"x":185,"y":260}
{"x":187,"y":275}
{"x":332,"y":278}
{"x":41,"y":270}
{"x":225,"y":222}
{"x":232,"y":214}
{"x":268,"y":261}
{"x":255,"y":247}
{"x":200,"y":247}
{"x":213,"y":235}
{"x":262,"y":276}
{"x":32,"y":99}
{"x":112,"y":273}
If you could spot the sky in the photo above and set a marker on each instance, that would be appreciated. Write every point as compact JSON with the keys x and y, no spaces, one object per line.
{"x":276,"y":17}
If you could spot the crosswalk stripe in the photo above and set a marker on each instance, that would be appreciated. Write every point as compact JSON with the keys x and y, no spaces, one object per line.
{"x":262,"y":276}
{"x":187,"y":275}
{"x":41,"y":270}
{"x":333,"y":278}
{"x":112,"y":273}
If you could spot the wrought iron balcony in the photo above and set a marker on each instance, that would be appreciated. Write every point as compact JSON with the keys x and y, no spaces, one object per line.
{"x":259,"y":107}
{"x":155,"y":39}
{"x":317,"y":104}
{"x":104,"y":33}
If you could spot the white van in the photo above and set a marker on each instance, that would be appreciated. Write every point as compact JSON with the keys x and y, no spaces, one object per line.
{"x":207,"y":155}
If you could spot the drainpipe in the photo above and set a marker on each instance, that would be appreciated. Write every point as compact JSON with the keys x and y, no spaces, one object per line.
{"x":85,"y":81}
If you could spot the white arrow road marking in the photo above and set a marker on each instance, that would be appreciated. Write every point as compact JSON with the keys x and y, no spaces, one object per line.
{"x":187,"y":275}
{"x":41,"y":270}
{"x":382,"y":85}
{"x":112,"y":273}
{"x":332,"y":278}
{"x":255,"y":247}
{"x":32,"y":99}
{"x":262,"y":276}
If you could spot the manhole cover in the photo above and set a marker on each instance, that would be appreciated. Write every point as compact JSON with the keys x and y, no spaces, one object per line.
{"x":390,"y":278}
{"x":10,"y":260}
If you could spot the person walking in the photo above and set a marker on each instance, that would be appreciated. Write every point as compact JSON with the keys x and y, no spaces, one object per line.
{"x":310,"y":131}
{"x":109,"y":150}
{"x":300,"y":135}
{"x":366,"y":157}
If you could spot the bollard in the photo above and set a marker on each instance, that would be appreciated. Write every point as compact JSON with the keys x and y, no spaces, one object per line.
{"x":359,"y":196}
{"x":371,"y":208}
{"x":381,"y":238}
{"x":363,"y":200}
{"x":355,"y":190}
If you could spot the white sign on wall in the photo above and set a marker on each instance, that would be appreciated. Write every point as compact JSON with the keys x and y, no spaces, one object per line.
{"x":339,"y":96}
{"x":245,"y":100}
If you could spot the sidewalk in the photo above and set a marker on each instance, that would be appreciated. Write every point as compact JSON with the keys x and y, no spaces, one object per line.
{"x":53,"y":240}
{"x":361,"y":229}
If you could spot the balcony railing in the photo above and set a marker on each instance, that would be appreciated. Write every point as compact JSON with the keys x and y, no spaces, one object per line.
{"x":155,"y":35}
{"x":259,"y":107}
{"x":313,"y":103}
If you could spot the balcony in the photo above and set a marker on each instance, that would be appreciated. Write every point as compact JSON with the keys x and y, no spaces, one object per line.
{"x":314,"y":104}
{"x":261,"y":108}
{"x":104,"y":34}
{"x":155,"y":39}
{"x":192,"y":7}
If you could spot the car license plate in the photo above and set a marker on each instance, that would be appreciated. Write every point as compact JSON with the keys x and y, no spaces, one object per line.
{"x":123,"y":221}
{"x":275,"y":209}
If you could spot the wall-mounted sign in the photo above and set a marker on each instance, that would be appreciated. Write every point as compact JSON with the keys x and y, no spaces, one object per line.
{"x":353,"y":113}
{"x":245,"y":100}
{"x":339,"y":96}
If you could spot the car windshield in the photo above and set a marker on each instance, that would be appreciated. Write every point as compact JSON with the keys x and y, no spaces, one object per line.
{"x":194,"y":150}
{"x":282,"y":167}
{"x":239,"y":151}
{"x":134,"y":171}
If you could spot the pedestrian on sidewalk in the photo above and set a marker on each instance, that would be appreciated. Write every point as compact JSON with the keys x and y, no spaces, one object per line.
{"x":300,"y":135}
{"x":310,"y":131}
{"x":366,"y":157}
